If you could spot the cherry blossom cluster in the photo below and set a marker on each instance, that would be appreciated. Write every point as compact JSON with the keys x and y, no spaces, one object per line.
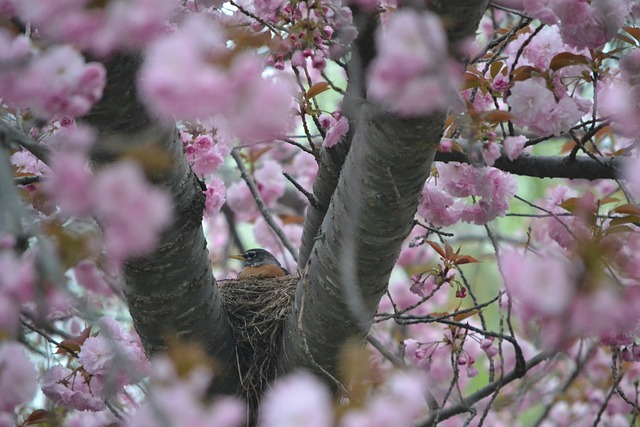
{"x":443,"y":198}
{"x":107,"y":362}
{"x":427,"y":80}
{"x":582,"y":24}
{"x":100,"y":28}
{"x":560,"y":297}
{"x":206,"y":156}
{"x":228,"y":82}
{"x":52,"y":83}
{"x":311,"y":31}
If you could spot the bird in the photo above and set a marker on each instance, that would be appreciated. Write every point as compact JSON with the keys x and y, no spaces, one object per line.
{"x":259,"y":263}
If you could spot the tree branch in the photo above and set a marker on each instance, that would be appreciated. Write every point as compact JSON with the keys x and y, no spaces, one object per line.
{"x":582,"y":167}
{"x":171,"y":291}
{"x":370,"y":214}
{"x":472,"y":399}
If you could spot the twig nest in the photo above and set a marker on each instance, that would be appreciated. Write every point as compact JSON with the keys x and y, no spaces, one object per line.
{"x":257,"y":309}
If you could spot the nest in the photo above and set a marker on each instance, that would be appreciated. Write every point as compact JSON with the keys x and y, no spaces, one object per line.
{"x":257,"y":309}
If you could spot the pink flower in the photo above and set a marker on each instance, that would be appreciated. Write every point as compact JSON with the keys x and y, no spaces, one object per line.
{"x":119,"y":23}
{"x":70,"y":184}
{"x":88,"y":419}
{"x":206,"y":162}
{"x":490,"y":153}
{"x":70,"y":389}
{"x":132,"y":211}
{"x":28,"y":163}
{"x":162,"y":84}
{"x":270,"y":181}
{"x":58,"y":82}
{"x":400,"y":404}
{"x":88,"y":276}
{"x":241,"y":202}
{"x":215,"y":195}
{"x":513,"y":146}
{"x":534,"y":105}
{"x":18,"y":277}
{"x":336,"y":132}
{"x":437,"y":207}
{"x":299,"y":399}
{"x":96,"y":354}
{"x":17,"y":376}
{"x":425,"y":81}
{"x":254,"y":107}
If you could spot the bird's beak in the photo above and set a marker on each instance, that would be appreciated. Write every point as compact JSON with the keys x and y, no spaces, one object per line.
{"x":238,"y":257}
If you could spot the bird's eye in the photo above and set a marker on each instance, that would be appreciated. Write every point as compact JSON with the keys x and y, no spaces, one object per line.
{"x":250,"y":255}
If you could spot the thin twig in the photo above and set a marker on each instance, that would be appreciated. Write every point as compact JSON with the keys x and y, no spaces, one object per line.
{"x":261,"y":205}
{"x":470,"y":400}
{"x":313,"y":200}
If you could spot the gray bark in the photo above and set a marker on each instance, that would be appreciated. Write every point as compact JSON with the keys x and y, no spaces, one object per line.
{"x":349,"y":260}
{"x":172,"y":291}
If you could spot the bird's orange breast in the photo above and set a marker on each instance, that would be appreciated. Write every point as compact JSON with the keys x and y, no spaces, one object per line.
{"x":264,"y":271}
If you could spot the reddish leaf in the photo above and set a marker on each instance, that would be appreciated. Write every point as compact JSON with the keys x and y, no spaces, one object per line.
{"x":566,"y":59}
{"x":437,"y":248}
{"x":524,"y":73}
{"x":571,"y":204}
{"x":448,"y":250}
{"x":317,"y":89}
{"x":635,"y":32}
{"x":495,"y":69}
{"x":461,"y":316}
{"x":629,"y":209}
{"x":38,"y":416}
{"x":74,"y":343}
{"x":497,"y":116}
{"x":466,"y":259}
{"x":631,"y":219}
{"x":626,"y":39}
{"x":619,"y":229}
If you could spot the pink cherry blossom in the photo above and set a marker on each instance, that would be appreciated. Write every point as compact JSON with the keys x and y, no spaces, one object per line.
{"x":426,"y":80}
{"x":70,"y":389}
{"x":254,"y":107}
{"x":534,"y":105}
{"x":88,"y":276}
{"x":513,"y":146}
{"x":336,"y":132}
{"x":70,"y":184}
{"x":28,"y":163}
{"x":17,"y":377}
{"x":88,"y":419}
{"x":55,"y":83}
{"x":437,"y":207}
{"x":132,"y":212}
{"x":117,"y":24}
{"x":18,"y":278}
{"x":490,"y":152}
{"x":241,"y":202}
{"x":400,"y":404}
{"x":270,"y":181}
{"x":297,"y":400}
{"x":215,"y":194}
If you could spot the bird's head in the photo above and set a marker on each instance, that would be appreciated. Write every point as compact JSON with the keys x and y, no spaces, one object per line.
{"x":256,"y":258}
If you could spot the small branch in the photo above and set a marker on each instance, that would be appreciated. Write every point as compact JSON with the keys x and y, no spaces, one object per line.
{"x":581,"y":167}
{"x":299,"y":145}
{"x":396,"y":361}
{"x":472,"y":399}
{"x":48,"y":338}
{"x":26,"y":180}
{"x":261,"y":205}
{"x":313,"y":201}
{"x":14,"y":136}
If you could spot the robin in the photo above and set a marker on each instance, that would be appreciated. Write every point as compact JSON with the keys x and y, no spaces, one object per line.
{"x":259,"y":263}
